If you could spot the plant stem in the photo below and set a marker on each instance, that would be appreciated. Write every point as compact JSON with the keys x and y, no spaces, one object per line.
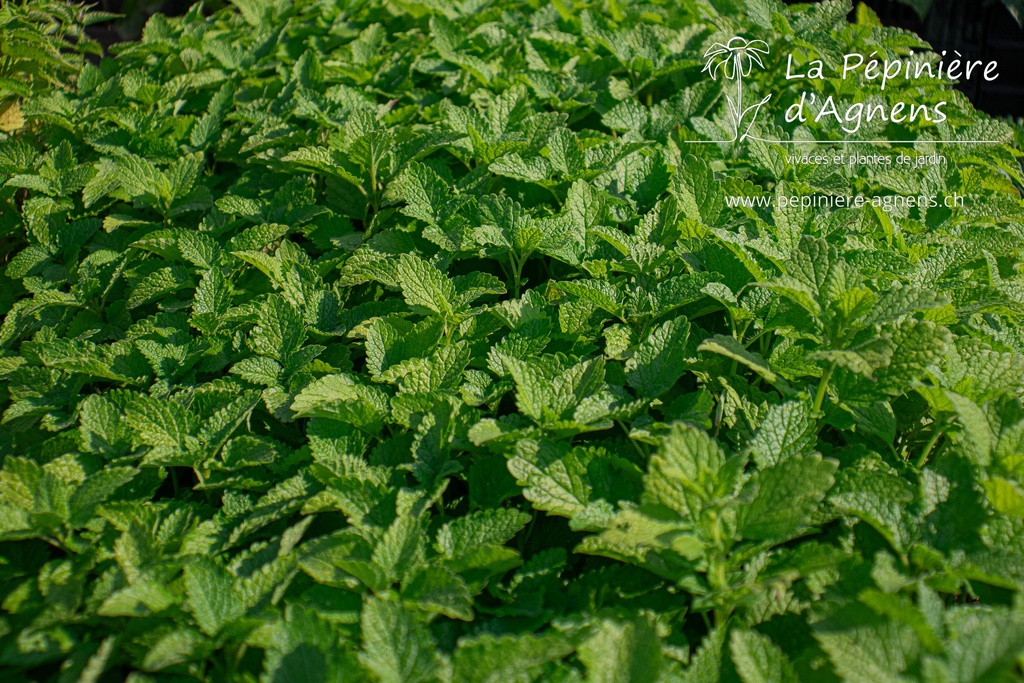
{"x":739,"y":95}
{"x":720,"y":412}
{"x":819,"y":398}
{"x":936,"y":435}
{"x":375,"y":201}
{"x":636,"y":446}
{"x":517,"y":271}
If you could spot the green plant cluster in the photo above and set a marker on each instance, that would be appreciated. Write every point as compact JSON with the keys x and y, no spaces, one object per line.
{"x":415,"y":341}
{"x":43,"y":44}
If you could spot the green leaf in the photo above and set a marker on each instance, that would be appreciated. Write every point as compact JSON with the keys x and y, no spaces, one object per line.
{"x":864,"y":647}
{"x":683,"y":474}
{"x":95,"y":490}
{"x":659,"y":361}
{"x":343,"y":398}
{"x":917,"y":345}
{"x":26,"y":485}
{"x":279,"y":332}
{"x":878,"y":499}
{"x":697,"y":191}
{"x":141,"y":180}
{"x":103,"y":429}
{"x":199,"y":249}
{"x":900,"y":300}
{"x":212,"y":300}
{"x":487,"y":658}
{"x":977,"y":438}
{"x":211,"y":596}
{"x":987,"y":644}
{"x":758,"y":659}
{"x":425,"y":193}
{"x":566,"y":153}
{"x":600,"y":293}
{"x":788,"y":430}
{"x":784,"y":497}
{"x":396,"y":647}
{"x":622,"y":652}
{"x":437,"y":589}
{"x":162,"y":423}
{"x":401,"y":547}
{"x":508,"y":224}
{"x":815,"y":264}
{"x":732,"y":349}
{"x":558,"y":483}
{"x":158,"y":285}
{"x":424,"y":286}
{"x":461,"y":535}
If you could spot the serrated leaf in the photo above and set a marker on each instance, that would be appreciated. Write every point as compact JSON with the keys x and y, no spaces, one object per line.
{"x":437,"y":589}
{"x":784,"y":496}
{"x":617,"y":652}
{"x":787,"y":430}
{"x":211,"y":596}
{"x":487,"y":658}
{"x":487,"y":526}
{"x":423,"y":285}
{"x":660,"y":359}
{"x":758,"y":659}
{"x":396,"y":648}
{"x":876,"y":498}
{"x":732,"y":349}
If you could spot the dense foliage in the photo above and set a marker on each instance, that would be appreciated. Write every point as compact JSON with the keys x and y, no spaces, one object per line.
{"x":43,"y":44}
{"x":415,"y":341}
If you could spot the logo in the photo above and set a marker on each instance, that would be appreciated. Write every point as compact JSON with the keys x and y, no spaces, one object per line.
{"x":735,"y":60}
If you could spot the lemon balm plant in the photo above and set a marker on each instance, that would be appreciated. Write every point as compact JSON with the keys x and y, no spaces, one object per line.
{"x":43,"y":48}
{"x":421,"y":341}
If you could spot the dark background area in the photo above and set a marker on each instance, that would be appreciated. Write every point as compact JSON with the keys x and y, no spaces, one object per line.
{"x":978,"y":29}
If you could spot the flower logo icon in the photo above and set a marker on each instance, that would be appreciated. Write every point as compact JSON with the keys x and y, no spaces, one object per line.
{"x":735,"y":60}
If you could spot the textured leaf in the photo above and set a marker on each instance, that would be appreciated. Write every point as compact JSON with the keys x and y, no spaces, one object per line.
{"x":878,"y":499}
{"x":396,"y":648}
{"x":453,"y":341}
{"x":660,"y":359}
{"x":697,"y":192}
{"x":916,"y":346}
{"x":787,"y":431}
{"x":341,"y":397}
{"x":438,"y":590}
{"x":785,"y":496}
{"x":279,"y":332}
{"x":161,"y":423}
{"x":684,"y":472}
{"x":759,"y":660}
{"x":732,"y":349}
{"x":488,"y":526}
{"x":424,"y":285}
{"x":618,"y":652}
{"x":865,"y":648}
{"x":212,"y":598}
{"x":490,"y":659}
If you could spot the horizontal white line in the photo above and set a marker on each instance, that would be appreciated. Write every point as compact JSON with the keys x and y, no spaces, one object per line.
{"x":854,"y":142}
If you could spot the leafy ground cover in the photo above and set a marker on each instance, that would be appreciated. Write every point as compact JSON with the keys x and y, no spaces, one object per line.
{"x":415,"y":341}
